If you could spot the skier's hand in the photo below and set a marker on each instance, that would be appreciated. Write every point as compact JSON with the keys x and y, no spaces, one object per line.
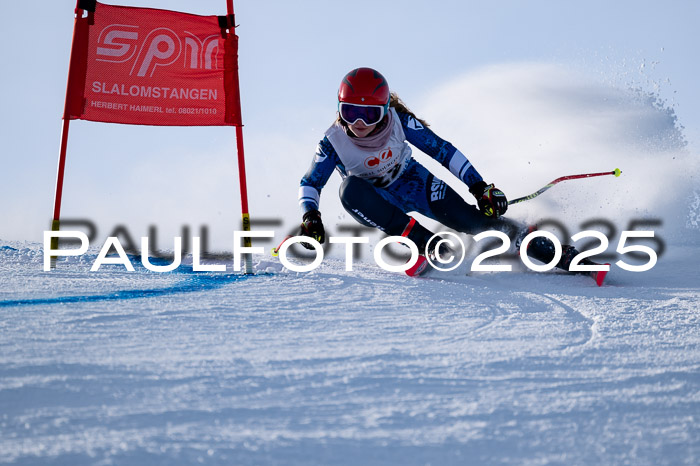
{"x":491,"y":200}
{"x":312,"y":226}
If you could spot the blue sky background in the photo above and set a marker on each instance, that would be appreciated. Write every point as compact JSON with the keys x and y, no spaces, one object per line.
{"x":292,"y":56}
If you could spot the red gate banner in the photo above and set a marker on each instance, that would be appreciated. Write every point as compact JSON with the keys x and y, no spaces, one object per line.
{"x":145,"y":66}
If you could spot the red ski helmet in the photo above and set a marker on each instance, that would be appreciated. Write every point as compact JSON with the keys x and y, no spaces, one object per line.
{"x":364,"y":86}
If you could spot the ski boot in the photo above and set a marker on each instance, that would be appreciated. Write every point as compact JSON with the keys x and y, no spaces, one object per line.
{"x":542,"y":249}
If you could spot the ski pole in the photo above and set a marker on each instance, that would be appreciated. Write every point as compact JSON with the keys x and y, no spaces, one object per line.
{"x":617,"y":172}
{"x":276,"y":251}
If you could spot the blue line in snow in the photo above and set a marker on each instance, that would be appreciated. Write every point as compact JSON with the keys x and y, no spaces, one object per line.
{"x":194,"y":282}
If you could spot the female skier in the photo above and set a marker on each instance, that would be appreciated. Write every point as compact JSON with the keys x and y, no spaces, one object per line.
{"x":382,"y":183}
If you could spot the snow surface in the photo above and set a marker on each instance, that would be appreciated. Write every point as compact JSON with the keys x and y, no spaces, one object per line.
{"x":336,"y":367}
{"x":372,"y":367}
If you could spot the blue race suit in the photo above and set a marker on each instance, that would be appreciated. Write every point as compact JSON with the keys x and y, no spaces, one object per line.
{"x":415,"y":189}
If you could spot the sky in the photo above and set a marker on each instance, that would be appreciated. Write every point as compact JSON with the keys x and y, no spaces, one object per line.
{"x":292,"y":57}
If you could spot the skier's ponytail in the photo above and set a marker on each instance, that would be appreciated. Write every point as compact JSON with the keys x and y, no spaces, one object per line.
{"x":396,"y":102}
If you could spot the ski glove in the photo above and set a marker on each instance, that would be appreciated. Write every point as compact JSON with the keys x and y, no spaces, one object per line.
{"x":312,"y":226}
{"x":492,"y":202}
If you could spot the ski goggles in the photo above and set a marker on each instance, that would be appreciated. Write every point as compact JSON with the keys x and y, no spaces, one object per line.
{"x":369,"y":114}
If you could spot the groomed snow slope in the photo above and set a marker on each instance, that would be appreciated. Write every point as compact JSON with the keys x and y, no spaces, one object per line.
{"x":369,"y":367}
{"x":336,"y":367}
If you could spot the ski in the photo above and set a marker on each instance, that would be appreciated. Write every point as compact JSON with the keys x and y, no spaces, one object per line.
{"x":419,"y":268}
{"x":599,"y":276}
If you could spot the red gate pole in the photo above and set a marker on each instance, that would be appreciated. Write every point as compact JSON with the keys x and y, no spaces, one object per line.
{"x":241,"y":157}
{"x":55,"y":223}
{"x":74,"y":58}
